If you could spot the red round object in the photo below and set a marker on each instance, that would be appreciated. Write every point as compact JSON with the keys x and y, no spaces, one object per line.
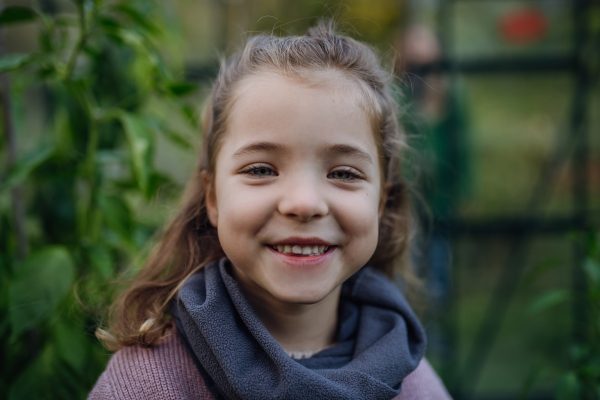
{"x":525,"y":25}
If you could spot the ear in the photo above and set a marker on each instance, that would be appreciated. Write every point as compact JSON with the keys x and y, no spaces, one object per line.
{"x":384,"y":196}
{"x":210,"y":198}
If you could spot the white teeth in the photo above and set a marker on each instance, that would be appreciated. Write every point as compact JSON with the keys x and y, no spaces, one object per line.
{"x":301,"y":250}
{"x":297,"y":249}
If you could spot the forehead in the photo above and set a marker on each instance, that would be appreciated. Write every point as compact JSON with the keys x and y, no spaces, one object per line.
{"x":326,"y":107}
{"x":333,"y":83}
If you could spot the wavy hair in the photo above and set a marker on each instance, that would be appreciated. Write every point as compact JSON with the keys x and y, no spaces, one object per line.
{"x":139,"y":315}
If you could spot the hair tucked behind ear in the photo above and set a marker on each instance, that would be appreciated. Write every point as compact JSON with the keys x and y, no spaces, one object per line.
{"x":189,"y":242}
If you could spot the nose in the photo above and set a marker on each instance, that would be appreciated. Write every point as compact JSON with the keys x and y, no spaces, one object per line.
{"x":303,"y":199}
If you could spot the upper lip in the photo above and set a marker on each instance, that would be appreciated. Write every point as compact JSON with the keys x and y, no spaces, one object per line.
{"x":303,"y":241}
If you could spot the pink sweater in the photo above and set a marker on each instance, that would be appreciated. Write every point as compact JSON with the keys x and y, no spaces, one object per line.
{"x":167,"y":372}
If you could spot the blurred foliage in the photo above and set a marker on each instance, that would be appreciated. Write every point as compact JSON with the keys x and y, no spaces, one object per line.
{"x":112,"y":102}
{"x":582,"y":379}
{"x":99,"y":69}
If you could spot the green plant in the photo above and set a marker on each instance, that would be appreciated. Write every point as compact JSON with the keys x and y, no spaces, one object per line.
{"x":80,"y":182}
{"x":582,"y":379}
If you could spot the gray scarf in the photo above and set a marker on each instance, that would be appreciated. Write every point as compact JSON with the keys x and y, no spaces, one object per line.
{"x":380,"y":342}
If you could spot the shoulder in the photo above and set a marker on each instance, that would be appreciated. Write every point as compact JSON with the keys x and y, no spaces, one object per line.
{"x":165,"y":371}
{"x":423,"y":384}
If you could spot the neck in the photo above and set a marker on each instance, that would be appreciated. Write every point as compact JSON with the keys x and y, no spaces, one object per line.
{"x":296,"y":327}
{"x":301,"y":327}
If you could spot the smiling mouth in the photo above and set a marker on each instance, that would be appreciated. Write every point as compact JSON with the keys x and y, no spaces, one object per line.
{"x":301,"y":251}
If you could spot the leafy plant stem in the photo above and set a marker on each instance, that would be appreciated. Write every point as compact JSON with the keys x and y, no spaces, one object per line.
{"x":90,"y":172}
{"x":9,"y":135}
{"x":81,"y":39}
{"x":77,"y":184}
{"x":17,"y":200}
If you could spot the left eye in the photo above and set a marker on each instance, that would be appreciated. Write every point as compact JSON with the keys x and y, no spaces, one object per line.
{"x":346,"y":175}
{"x":341,"y":175}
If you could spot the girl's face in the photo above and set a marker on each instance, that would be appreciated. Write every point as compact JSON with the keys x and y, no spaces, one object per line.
{"x":296,"y":192}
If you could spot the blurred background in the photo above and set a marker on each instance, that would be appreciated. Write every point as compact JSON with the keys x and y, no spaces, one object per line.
{"x":501,"y":101}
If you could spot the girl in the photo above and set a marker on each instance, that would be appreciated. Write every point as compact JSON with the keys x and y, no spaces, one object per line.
{"x":273,"y":279}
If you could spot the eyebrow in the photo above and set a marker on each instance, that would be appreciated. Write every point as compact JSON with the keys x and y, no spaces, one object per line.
{"x":332,"y":150}
{"x":346,"y":149}
{"x":256,"y":147}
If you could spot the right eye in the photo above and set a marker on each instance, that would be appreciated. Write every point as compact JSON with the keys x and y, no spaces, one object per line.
{"x":262,"y":171}
{"x":259,"y":171}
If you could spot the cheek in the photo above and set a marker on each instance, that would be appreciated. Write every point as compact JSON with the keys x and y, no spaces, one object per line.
{"x":360,"y":220}
{"x":242,"y":210}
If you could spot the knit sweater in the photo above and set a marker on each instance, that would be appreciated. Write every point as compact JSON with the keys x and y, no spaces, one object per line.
{"x":167,"y":372}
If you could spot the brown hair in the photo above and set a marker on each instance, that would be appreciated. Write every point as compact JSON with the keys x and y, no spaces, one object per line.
{"x":139,"y":314}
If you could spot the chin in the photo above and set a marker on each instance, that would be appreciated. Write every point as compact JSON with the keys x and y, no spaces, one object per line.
{"x":298,"y":295}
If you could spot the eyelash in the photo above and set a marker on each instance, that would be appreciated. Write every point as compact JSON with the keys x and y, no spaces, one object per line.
{"x":250,"y":169}
{"x":354,"y":175}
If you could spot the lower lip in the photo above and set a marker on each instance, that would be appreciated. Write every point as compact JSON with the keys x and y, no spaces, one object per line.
{"x":305,"y":261}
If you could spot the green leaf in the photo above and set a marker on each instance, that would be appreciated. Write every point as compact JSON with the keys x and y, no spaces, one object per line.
{"x":16,"y":14}
{"x":141,"y":142}
{"x":101,"y":260}
{"x":591,"y":369}
{"x":539,"y":270}
{"x":132,"y":38}
{"x":137,"y":18}
{"x":592,"y":244}
{"x":47,"y":378}
{"x":62,"y":131}
{"x":144,"y":50}
{"x":118,"y":217}
{"x":110,"y":26}
{"x":39,"y":284}
{"x":548,"y":300}
{"x":175,"y":137}
{"x":33,"y":382}
{"x":579,"y":352}
{"x":181,"y":88}
{"x":592,"y":270}
{"x":190,"y":115}
{"x":11,"y":62}
{"x":158,"y":181}
{"x":24,"y":166}
{"x":568,"y":387}
{"x":71,"y":344}
{"x":530,"y":380}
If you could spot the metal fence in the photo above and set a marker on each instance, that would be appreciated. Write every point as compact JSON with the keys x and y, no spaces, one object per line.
{"x":571,"y":145}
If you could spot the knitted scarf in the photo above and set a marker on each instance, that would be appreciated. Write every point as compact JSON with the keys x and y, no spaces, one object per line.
{"x":380,"y":342}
